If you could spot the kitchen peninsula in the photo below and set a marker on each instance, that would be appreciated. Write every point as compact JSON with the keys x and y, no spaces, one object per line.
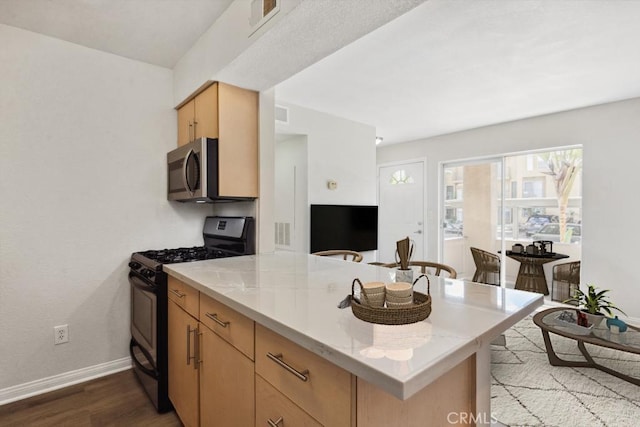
{"x":320,"y":365}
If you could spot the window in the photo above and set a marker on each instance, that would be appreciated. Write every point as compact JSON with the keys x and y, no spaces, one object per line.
{"x":451,"y":194}
{"x":533,"y":187}
{"x":401,"y":177}
{"x":511,"y":199}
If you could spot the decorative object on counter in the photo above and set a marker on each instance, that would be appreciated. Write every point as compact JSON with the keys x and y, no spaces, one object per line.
{"x":616,"y":325}
{"x":419,"y":310}
{"x":375,"y":292}
{"x":517,"y":248}
{"x":594,"y":304}
{"x":404,"y":275}
{"x":404,"y":250}
{"x":399,"y":294}
{"x":399,"y":289}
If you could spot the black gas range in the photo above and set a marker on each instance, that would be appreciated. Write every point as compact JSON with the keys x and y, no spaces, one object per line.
{"x":223,"y":237}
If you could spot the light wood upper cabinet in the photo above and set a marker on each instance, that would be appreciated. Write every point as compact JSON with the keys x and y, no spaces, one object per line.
{"x":230,"y":114}
{"x":206,"y":113}
{"x":186,"y":116}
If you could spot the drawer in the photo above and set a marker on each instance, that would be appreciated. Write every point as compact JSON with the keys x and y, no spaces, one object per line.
{"x":320,"y":388}
{"x":233,"y":327}
{"x":275,"y":407}
{"x":184,"y":295}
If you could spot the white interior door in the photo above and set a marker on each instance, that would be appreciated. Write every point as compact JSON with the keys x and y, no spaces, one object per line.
{"x":401,"y":208}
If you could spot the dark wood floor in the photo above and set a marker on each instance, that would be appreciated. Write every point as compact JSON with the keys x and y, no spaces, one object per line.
{"x":114,"y":400}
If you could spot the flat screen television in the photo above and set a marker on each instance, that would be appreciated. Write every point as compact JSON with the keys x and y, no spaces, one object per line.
{"x":353,"y":227}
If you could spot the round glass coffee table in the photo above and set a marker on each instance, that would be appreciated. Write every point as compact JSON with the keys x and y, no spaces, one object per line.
{"x":561,"y":321}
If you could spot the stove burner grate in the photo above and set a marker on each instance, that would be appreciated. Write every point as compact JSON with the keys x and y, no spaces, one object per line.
{"x":170,"y":256}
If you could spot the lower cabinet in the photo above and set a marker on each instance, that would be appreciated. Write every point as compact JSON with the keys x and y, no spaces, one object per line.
{"x":183,"y":372}
{"x":275,"y":409}
{"x":225,"y":370}
{"x":313,"y":384}
{"x":226,"y":384}
{"x":211,"y":381}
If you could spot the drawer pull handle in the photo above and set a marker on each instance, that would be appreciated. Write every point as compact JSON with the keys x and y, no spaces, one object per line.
{"x":275,"y":423}
{"x":214,"y":317}
{"x":177,"y":293}
{"x":302,"y":376}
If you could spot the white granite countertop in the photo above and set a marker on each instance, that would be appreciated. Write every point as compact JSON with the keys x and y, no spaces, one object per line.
{"x":296,"y":295}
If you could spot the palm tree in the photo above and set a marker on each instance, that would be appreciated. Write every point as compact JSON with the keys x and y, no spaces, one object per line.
{"x":564,"y":167}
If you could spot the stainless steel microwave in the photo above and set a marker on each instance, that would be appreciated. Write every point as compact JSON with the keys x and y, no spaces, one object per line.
{"x":192,"y":173}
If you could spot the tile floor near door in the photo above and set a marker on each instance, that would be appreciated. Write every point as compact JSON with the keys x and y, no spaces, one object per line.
{"x":114,"y":400}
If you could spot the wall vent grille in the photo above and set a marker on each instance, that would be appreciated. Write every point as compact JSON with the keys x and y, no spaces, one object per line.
{"x":282,"y":114}
{"x":261,"y":12}
{"x":283,"y":233}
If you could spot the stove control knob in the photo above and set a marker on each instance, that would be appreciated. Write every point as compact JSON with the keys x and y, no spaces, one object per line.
{"x":134,"y":265}
{"x":148,"y":273}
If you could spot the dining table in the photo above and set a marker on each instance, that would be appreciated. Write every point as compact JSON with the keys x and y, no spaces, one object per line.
{"x":531,"y":273}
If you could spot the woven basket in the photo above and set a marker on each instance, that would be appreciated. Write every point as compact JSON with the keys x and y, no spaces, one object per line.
{"x":420,"y":310}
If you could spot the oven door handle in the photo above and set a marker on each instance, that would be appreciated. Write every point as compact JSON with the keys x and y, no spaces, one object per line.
{"x":151,"y":373}
{"x":140,"y":284}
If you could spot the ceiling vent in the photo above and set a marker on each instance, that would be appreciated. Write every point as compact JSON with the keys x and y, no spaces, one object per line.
{"x":282,"y":114}
{"x":261,"y":12}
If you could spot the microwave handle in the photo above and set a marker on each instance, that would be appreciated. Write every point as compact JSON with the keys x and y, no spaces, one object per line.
{"x":184,"y":172}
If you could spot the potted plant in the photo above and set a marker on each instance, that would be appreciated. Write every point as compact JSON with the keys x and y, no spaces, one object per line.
{"x":594,"y":303}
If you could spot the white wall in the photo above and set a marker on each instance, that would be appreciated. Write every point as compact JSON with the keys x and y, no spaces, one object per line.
{"x":610,"y":137}
{"x":83,"y":143}
{"x":338,"y":149}
{"x":291,"y":199}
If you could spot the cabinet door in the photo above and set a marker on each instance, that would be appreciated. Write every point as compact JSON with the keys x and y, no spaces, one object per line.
{"x":186,"y":113}
{"x":226,"y":384}
{"x":275,"y":407}
{"x":183,"y":377}
{"x":206,"y":113}
{"x":238,"y":150}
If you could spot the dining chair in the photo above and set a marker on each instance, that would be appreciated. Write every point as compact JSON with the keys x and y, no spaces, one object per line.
{"x":429,"y":267}
{"x":566,"y":279}
{"x":352,"y":255}
{"x":487,"y":267}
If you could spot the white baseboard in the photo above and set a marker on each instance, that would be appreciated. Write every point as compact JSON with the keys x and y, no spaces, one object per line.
{"x":33,"y":388}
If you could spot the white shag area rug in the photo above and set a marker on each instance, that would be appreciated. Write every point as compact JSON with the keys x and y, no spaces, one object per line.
{"x":527,"y":391}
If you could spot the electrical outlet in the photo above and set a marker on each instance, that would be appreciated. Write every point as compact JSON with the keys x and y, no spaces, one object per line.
{"x":60,"y":334}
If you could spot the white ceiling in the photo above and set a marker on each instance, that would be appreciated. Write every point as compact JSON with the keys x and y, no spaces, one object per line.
{"x":447,"y":66}
{"x":442,"y":67}
{"x":154,"y":31}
